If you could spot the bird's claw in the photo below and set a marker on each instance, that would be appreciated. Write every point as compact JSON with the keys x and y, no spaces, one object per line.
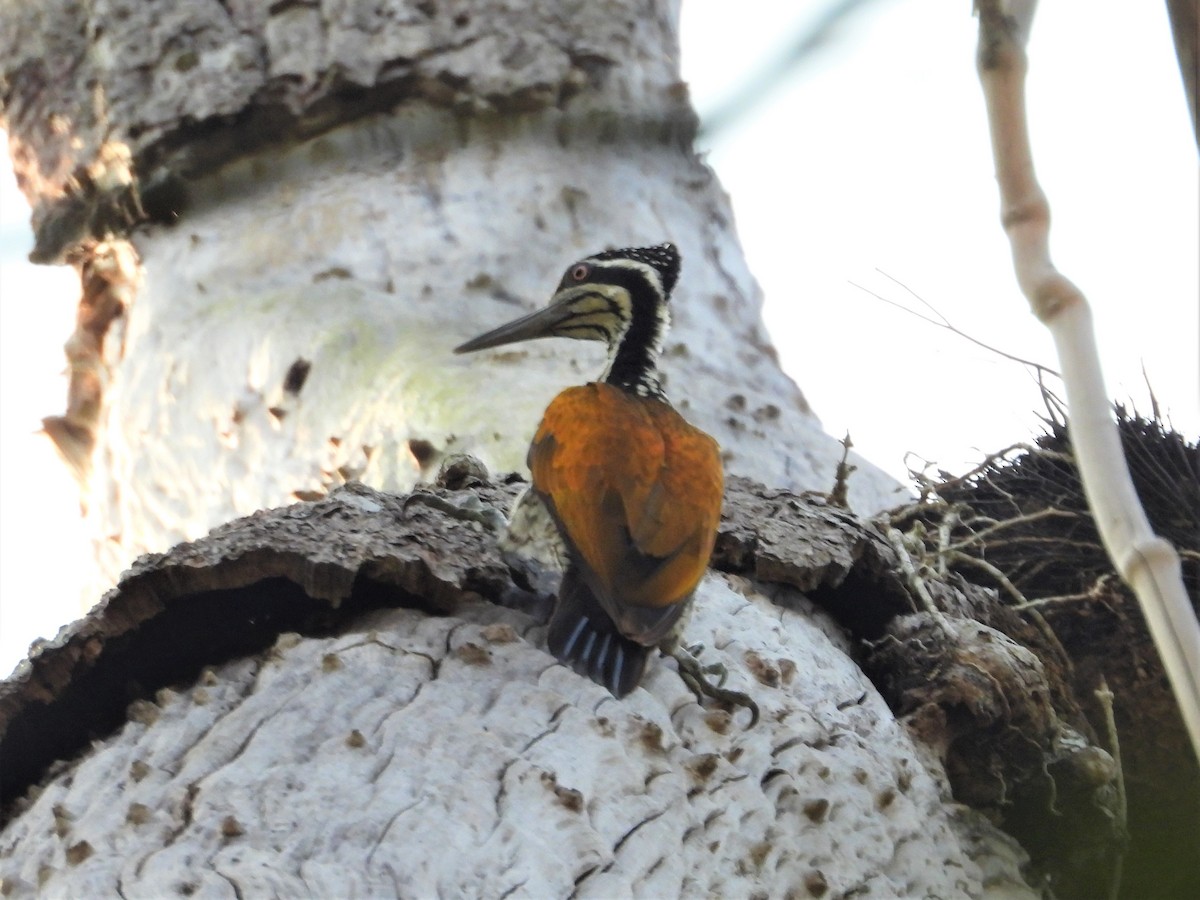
{"x":719,"y":670}
{"x":716,"y":668}
{"x":694,"y":676}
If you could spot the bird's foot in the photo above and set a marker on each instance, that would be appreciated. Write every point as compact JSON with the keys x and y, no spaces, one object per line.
{"x":472,"y":509}
{"x":695,"y":676}
{"x":718,"y":669}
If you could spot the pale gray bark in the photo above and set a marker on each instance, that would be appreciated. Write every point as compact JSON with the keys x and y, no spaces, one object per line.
{"x":412,"y":754}
{"x":420,"y":757}
{"x":370,"y":186}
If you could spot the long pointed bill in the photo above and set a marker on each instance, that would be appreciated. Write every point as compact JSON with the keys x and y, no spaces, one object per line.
{"x":540,"y":324}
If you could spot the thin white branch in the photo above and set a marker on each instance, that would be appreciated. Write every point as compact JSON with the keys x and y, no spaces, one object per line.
{"x":1145,"y":561}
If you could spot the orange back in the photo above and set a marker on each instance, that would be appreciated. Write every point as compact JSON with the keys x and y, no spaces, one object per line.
{"x":634,"y":488}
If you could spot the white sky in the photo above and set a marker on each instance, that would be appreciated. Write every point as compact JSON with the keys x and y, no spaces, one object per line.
{"x":874,"y":155}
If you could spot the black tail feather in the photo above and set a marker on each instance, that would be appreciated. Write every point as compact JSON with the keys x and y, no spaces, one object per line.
{"x":585,"y":638}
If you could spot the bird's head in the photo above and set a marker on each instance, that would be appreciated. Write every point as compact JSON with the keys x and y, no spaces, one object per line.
{"x":615,"y":296}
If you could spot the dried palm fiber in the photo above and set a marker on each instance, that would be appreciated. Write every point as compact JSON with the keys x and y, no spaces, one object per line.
{"x":1041,"y":537}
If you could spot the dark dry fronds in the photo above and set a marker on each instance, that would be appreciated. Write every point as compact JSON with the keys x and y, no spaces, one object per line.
{"x":1020,"y":521}
{"x":1039,"y":510}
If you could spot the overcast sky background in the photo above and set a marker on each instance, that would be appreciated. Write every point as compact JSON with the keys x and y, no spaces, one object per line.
{"x":871,"y":155}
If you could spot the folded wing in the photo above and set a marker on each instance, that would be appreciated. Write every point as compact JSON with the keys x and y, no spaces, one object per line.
{"x":636,"y":491}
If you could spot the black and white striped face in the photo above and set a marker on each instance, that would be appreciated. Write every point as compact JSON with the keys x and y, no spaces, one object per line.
{"x":613,"y":293}
{"x":619,"y":297}
{"x":658,"y":266}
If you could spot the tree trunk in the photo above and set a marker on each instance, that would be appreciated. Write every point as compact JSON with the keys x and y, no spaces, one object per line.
{"x":322,"y":201}
{"x":284,"y":217}
{"x":350,"y":748}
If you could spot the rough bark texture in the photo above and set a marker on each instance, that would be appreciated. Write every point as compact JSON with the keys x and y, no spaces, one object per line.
{"x":327,"y":197}
{"x":318,"y":689}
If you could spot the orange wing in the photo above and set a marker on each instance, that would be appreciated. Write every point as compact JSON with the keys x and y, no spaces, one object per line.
{"x":636,"y":491}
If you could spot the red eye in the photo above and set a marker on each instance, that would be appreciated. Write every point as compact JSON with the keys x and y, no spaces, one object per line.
{"x":580,"y":272}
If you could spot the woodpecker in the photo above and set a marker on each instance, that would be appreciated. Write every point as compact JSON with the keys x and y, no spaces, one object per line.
{"x":633,"y":488}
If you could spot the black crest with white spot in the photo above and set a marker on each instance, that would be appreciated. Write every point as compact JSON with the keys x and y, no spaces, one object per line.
{"x":663,"y":257}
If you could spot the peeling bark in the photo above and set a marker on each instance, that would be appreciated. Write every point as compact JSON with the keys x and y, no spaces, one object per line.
{"x":108,"y":275}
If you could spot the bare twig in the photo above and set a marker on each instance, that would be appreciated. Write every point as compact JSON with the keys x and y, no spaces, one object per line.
{"x":1105,"y":697}
{"x":930,"y":486}
{"x":1095,"y":592}
{"x":942,"y":322}
{"x":945,"y":528}
{"x":1146,"y":562}
{"x":916,"y":582}
{"x":1019,"y":602}
{"x":991,"y":530}
{"x":1018,"y":599}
